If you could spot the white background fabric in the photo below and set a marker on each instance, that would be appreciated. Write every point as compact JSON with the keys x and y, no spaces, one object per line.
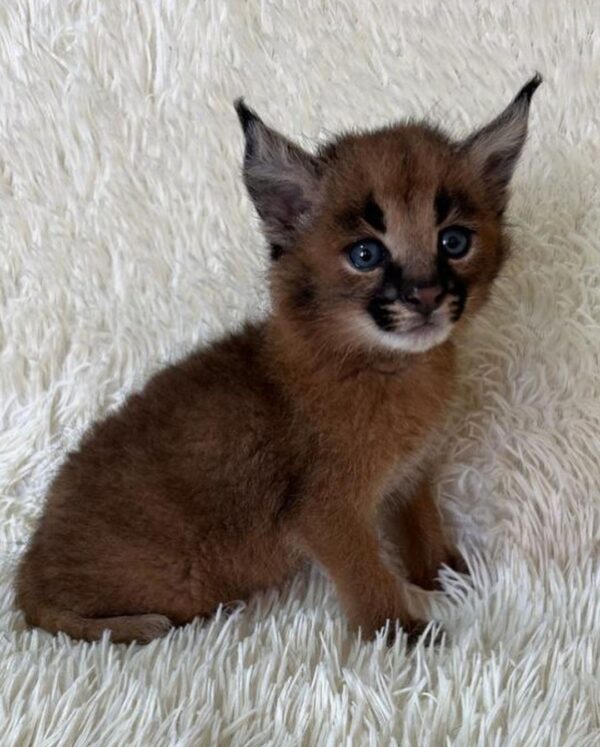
{"x":126,"y":240}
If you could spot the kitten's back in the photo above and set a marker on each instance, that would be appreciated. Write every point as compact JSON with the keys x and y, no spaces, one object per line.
{"x":165,"y":494}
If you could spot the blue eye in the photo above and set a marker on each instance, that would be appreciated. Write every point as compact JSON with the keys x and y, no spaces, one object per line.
{"x":366,"y":254}
{"x":455,"y":241}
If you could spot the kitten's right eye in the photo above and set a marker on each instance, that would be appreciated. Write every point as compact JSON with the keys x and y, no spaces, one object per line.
{"x":367,"y":254}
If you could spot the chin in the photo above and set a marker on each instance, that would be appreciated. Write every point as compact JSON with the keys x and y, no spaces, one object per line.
{"x":417,"y":340}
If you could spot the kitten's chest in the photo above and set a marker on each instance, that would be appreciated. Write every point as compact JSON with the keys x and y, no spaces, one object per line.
{"x":388,"y":424}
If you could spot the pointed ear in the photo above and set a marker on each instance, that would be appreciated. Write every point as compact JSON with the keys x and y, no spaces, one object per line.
{"x":282,"y":179}
{"x":494,"y":150}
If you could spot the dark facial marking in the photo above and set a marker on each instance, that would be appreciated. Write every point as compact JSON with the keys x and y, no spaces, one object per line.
{"x":392,"y":277}
{"x":442,"y":204}
{"x":370,"y":212}
{"x":454,"y":286}
{"x":379,"y":309}
{"x":386,"y":294}
{"x":458,"y":305}
{"x":373,"y":215}
{"x":459,"y":203}
{"x":465,"y":207}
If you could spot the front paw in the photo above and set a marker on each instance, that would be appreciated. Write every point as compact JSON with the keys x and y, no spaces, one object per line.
{"x":416,"y":631}
{"x":394,"y":624}
{"x":430,"y":635}
{"x":426,"y":575}
{"x":456,"y":562}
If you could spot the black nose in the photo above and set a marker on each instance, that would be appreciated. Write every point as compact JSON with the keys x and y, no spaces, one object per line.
{"x":424,"y":298}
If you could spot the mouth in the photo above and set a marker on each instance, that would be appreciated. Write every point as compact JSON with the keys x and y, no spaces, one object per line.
{"x":420,"y":336}
{"x":411,"y":332}
{"x":421,"y":326}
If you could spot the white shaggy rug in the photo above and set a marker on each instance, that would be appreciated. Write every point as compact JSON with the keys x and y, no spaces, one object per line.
{"x":126,"y":239}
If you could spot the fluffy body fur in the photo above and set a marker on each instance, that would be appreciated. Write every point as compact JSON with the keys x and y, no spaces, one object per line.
{"x":295,"y":438}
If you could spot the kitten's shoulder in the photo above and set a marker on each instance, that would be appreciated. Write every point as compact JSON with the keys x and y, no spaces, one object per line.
{"x":235,"y":365}
{"x":238,"y":353}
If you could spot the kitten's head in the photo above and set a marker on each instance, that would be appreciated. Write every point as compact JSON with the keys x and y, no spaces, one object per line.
{"x":386,"y":238}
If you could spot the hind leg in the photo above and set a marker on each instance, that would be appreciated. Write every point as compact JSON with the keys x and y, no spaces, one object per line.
{"x":138,"y":593}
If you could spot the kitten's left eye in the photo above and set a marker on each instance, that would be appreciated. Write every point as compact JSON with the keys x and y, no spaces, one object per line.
{"x":366,"y":254}
{"x":455,"y":241}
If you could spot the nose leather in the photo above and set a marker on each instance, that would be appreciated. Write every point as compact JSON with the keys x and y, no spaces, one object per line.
{"x":425,"y":298}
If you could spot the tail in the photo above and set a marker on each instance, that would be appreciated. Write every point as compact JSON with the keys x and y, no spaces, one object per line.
{"x":122,"y":629}
{"x":50,"y":615}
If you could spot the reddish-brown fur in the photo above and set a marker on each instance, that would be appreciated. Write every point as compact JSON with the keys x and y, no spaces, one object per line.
{"x":289,"y":440}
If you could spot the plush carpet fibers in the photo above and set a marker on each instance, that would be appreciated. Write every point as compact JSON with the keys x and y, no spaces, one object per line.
{"x":126,"y":240}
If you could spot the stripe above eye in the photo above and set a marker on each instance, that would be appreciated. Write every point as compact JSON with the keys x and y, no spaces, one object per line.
{"x":458,"y":203}
{"x":373,"y":215}
{"x":442,"y":204}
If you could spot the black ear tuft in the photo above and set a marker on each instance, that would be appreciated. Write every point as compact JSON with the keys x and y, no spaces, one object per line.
{"x":530,"y":88}
{"x":245,"y":114}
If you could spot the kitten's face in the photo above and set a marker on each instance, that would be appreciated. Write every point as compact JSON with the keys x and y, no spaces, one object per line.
{"x":386,"y":239}
{"x":403,"y":248}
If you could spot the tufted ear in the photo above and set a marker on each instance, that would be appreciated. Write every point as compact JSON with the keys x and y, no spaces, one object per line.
{"x":282,"y":180}
{"x":494,"y":150}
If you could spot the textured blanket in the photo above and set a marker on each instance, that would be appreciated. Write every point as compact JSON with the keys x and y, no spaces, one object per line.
{"x":126,"y":239}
